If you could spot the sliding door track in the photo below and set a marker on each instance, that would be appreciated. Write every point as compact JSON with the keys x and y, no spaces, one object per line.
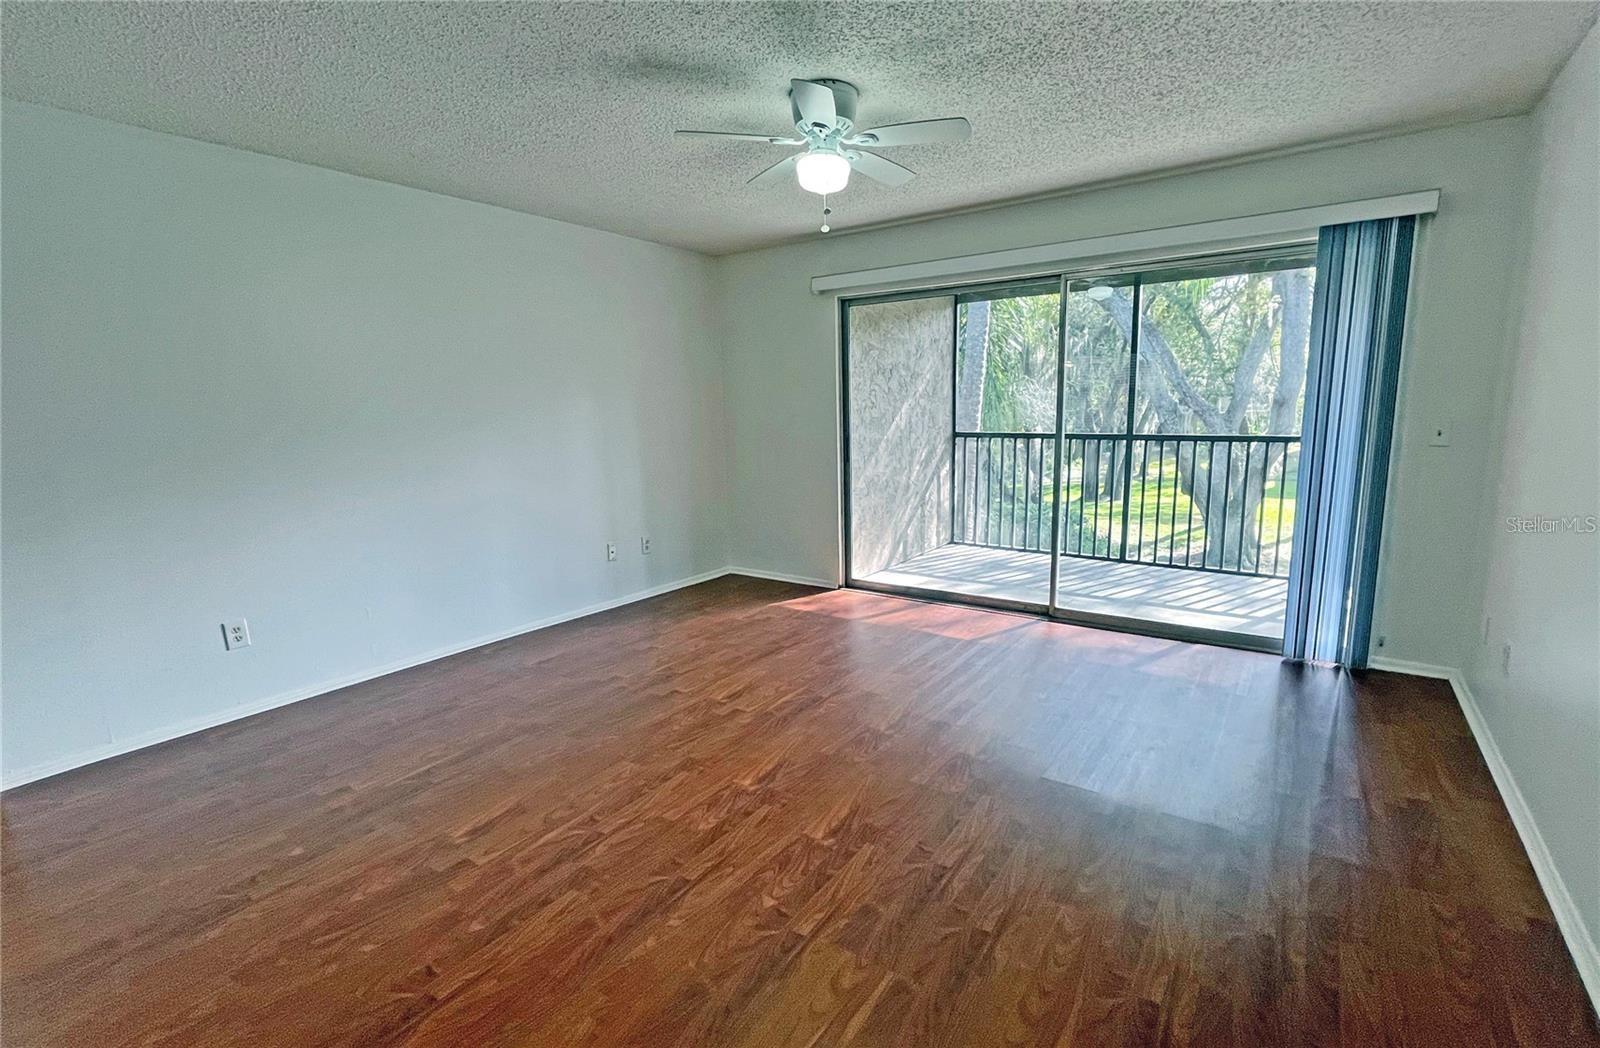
{"x":1116,"y":623}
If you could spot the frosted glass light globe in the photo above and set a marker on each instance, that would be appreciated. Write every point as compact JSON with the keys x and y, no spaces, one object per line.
{"x":823,"y":172}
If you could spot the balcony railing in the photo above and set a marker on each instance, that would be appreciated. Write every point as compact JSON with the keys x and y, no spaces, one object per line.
{"x":1199,"y":501}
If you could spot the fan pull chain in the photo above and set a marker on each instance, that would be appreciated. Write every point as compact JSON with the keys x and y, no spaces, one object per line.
{"x":826,"y":211}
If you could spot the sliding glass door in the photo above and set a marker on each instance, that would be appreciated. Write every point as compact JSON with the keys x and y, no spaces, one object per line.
{"x":1118,"y":449}
{"x":1178,"y":492}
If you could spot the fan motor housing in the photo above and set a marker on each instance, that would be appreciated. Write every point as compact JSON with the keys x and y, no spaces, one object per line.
{"x":844,"y":99}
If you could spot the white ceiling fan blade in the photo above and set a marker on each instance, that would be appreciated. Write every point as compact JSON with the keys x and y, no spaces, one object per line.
{"x":776,"y":172}
{"x":881,"y":169}
{"x":916,"y":133}
{"x":741,"y":136}
{"x":814,"y":102}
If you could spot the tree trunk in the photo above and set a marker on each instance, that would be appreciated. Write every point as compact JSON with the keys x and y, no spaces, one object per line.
{"x":1294,"y":291}
{"x":974,"y":367}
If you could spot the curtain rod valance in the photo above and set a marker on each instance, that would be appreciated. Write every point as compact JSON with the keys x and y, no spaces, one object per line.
{"x":1279,"y":226}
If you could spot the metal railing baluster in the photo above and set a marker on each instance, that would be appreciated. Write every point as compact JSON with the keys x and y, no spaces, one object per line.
{"x":1188,"y":531}
{"x":1244,"y":505}
{"x":1227,"y":486}
{"x":1283,"y":487}
{"x":1177,"y":489}
{"x":1211,"y":499}
{"x":1144,"y":485}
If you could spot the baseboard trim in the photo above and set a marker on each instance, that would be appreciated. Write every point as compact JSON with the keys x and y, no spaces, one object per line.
{"x":1415,"y":669}
{"x":1579,"y":938}
{"x":84,"y":758}
{"x":778,"y":576}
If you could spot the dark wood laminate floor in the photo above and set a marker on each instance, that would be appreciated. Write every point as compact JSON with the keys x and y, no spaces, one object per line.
{"x":749,"y":813}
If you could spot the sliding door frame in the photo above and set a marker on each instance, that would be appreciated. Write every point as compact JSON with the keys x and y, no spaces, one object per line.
{"x":1063,"y":278}
{"x":1061,"y":425}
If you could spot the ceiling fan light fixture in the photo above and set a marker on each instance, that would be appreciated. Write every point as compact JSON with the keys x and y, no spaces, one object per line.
{"x":822,"y":172}
{"x":824,"y":115}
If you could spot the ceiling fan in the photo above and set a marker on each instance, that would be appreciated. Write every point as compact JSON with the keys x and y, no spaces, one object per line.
{"x":824,"y":114}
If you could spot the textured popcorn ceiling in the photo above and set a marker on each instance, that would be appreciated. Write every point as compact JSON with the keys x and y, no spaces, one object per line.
{"x":566,"y":110}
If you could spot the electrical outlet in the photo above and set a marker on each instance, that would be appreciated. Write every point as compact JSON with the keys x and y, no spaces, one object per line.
{"x":1505,"y":659}
{"x":611,"y":551}
{"x":644,"y":545}
{"x":235,"y":634}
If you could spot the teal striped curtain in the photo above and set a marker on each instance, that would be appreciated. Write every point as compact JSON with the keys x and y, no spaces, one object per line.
{"x":1352,"y":375}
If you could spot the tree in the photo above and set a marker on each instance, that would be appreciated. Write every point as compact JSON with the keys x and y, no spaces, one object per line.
{"x":1202,"y":350}
{"x":974,"y":348}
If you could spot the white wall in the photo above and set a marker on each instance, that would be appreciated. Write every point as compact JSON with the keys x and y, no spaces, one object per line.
{"x":781,"y":342}
{"x":1543,"y":589}
{"x":377,"y":422}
